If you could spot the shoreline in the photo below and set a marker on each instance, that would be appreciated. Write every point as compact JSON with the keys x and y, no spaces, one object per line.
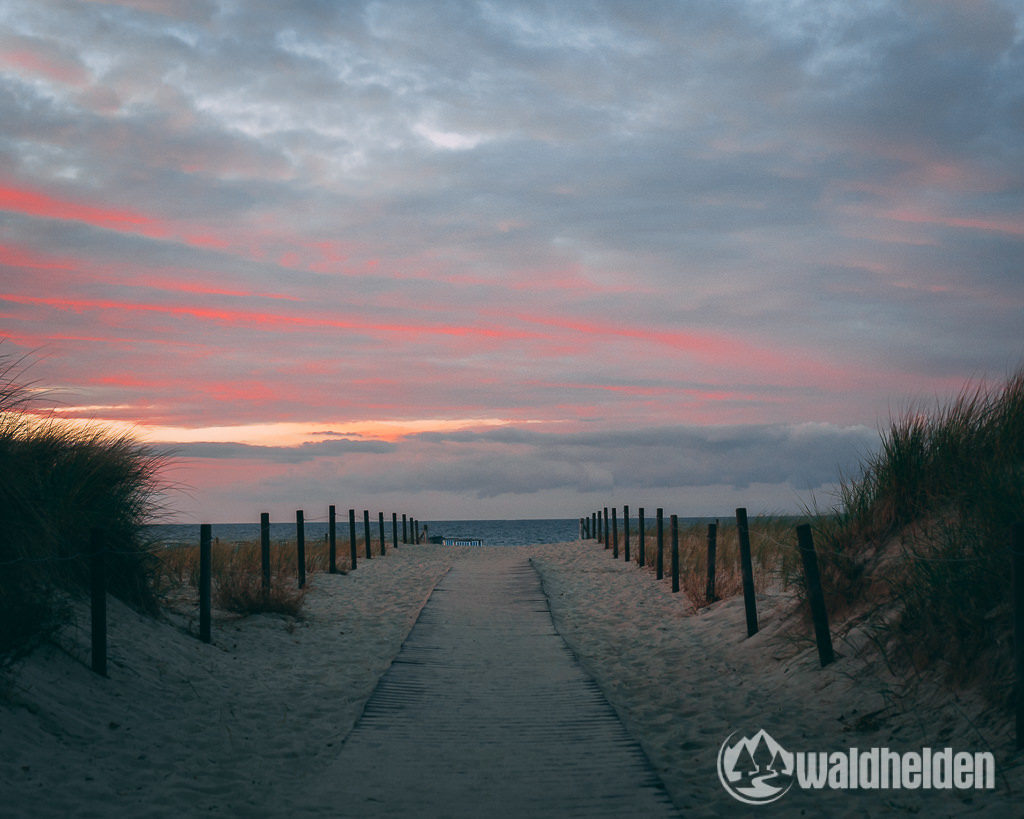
{"x":234,"y":726}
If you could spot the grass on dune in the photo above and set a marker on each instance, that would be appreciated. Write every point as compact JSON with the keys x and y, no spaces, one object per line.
{"x":772,"y":550}
{"x":924,"y":530}
{"x":238,"y":576}
{"x":57,"y":482}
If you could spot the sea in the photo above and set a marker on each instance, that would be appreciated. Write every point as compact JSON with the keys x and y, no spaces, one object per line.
{"x":523,"y":532}
{"x":489,"y":532}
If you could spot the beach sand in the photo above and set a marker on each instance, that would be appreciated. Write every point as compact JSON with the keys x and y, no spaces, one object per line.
{"x":238,"y":728}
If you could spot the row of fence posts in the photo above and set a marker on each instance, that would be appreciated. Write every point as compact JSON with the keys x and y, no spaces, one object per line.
{"x":595,"y":527}
{"x":98,"y":549}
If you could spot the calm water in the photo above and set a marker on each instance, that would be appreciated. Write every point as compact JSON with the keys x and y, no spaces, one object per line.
{"x":491,"y":532}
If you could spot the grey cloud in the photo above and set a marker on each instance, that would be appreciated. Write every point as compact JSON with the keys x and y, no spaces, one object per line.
{"x":523,"y":461}
{"x":279,"y":454}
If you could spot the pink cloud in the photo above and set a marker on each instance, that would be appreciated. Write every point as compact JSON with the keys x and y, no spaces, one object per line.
{"x":35,"y":203}
{"x":51,"y":66}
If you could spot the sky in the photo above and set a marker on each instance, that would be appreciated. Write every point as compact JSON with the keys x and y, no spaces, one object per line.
{"x":509,"y":259}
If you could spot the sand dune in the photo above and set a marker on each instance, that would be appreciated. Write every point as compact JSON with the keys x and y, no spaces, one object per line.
{"x":239,"y":727}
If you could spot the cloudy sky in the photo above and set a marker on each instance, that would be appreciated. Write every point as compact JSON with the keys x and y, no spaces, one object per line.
{"x":509,"y":259}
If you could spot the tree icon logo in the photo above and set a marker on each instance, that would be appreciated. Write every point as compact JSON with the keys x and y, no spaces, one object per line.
{"x":757,"y":770}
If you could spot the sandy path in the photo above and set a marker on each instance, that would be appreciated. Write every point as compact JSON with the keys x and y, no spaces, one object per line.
{"x":485,"y":712}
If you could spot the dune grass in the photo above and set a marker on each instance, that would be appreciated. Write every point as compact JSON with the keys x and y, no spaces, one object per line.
{"x":58,"y":482}
{"x":772,"y":550}
{"x":923,"y":532}
{"x":238,"y":576}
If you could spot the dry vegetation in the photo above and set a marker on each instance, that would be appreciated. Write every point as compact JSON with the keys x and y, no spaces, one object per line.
{"x":772,"y":548}
{"x":238,"y":578}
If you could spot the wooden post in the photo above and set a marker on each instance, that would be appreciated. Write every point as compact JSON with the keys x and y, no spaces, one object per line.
{"x":366,"y":532}
{"x":205,"y":574}
{"x":405,"y":533}
{"x":98,"y":577}
{"x":814,"y":593}
{"x":625,"y":532}
{"x":659,"y":565}
{"x":332,"y":538}
{"x":352,"y":536}
{"x":394,"y":529}
{"x":265,"y":550}
{"x":594,"y":535}
{"x":615,"y":533}
{"x":641,"y":544}
{"x":747,"y":570}
{"x":675,"y":553}
{"x":712,"y":549}
{"x":300,"y":546}
{"x":607,"y":534}
{"x":1017,"y":549}
{"x":380,"y":526}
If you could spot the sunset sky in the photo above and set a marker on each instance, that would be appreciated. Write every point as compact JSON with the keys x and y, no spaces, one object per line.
{"x":509,"y":259}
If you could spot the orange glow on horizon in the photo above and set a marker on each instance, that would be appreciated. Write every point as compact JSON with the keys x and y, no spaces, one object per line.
{"x":275,"y":433}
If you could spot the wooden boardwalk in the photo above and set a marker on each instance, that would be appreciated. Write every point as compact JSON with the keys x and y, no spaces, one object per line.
{"x":486,"y":713}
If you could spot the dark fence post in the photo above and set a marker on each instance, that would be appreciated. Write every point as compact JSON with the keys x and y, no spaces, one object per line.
{"x":625,"y":532}
{"x":1017,"y":547}
{"x":747,"y":569}
{"x":353,"y":551}
{"x":675,"y":553}
{"x":659,"y":560}
{"x":615,"y":533}
{"x":709,"y":593}
{"x":366,"y":532}
{"x":300,"y":546}
{"x":394,"y":529}
{"x":594,"y":533}
{"x":607,"y":534}
{"x":265,"y":550}
{"x":641,"y":544}
{"x":205,"y":573}
{"x":332,"y":537}
{"x":814,"y":594}
{"x":405,"y":533}
{"x":380,"y":526}
{"x":98,"y":577}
